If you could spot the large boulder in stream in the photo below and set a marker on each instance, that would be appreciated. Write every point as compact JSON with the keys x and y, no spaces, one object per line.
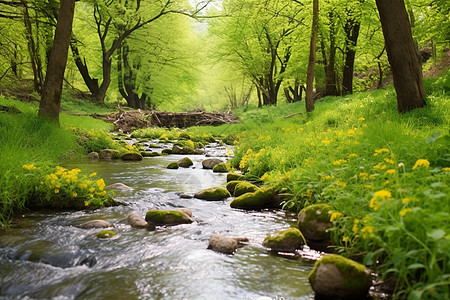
{"x":96,"y":224}
{"x":131,"y":156}
{"x":168,"y":217}
{"x":314,"y":221}
{"x":136,"y":221}
{"x":262,"y":198}
{"x":173,"y":165}
{"x":213,"y":194}
{"x":287,"y":240}
{"x":210,"y":163}
{"x":337,"y":277}
{"x":223,"y":244}
{"x":109,"y":154}
{"x":182,"y":150}
{"x":243,"y":187}
{"x":118,"y":186}
{"x":185,"y":162}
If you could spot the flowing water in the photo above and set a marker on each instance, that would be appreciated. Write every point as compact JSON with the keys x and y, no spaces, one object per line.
{"x":45,"y":255}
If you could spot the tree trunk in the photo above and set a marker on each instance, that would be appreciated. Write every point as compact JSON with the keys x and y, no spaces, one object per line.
{"x":330,"y":70}
{"x":402,"y":55}
{"x":351,"y":29}
{"x":51,"y":93}
{"x":91,"y":83}
{"x":309,"y":100}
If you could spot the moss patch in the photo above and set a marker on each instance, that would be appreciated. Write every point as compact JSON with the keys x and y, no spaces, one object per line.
{"x":286,"y":240}
{"x":232,"y":185}
{"x":213,"y":194}
{"x":314,"y":220}
{"x":220,"y":168}
{"x":234,"y":177}
{"x":106,"y":234}
{"x":185,"y":162}
{"x":173,"y":165}
{"x":167,"y":217}
{"x":262,"y":198}
{"x":244,"y":187}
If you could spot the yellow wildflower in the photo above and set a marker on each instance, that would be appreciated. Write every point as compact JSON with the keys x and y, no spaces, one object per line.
{"x":309,"y":193}
{"x":345,"y":239}
{"x":421,"y":163}
{"x":380,"y":166}
{"x":101,"y":184}
{"x":92,"y":175}
{"x":367,"y":218}
{"x":377,"y":197}
{"x":326,"y":141}
{"x":30,"y":167}
{"x":351,"y":132}
{"x":446,"y":169}
{"x":355,"y":226}
{"x":389,"y":161}
{"x":368,"y":186}
{"x":191,"y":143}
{"x":56,"y":191}
{"x":92,"y":189}
{"x":390,"y":172}
{"x":404,"y":211}
{"x":363,"y":176}
{"x":339,"y":162}
{"x":86,"y":203}
{"x":352,"y":155}
{"x":265,"y":177}
{"x":380,"y":151}
{"x":341,"y":183}
{"x":334,"y":216}
{"x":74,"y":194}
{"x":362,"y":119}
{"x":82,"y":186}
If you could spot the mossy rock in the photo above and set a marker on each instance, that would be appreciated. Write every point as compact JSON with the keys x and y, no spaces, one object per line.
{"x":155,"y":146}
{"x":185,"y":162}
{"x":314,"y":221}
{"x":109,"y":154}
{"x":173,"y":165}
{"x":220,"y":168}
{"x":234,"y":177}
{"x":150,"y":154}
{"x":335,"y":276}
{"x":131,"y":156}
{"x":167,"y":217}
{"x":211,"y":163}
{"x":285,"y":241}
{"x":262,"y":198}
{"x":166,"y":151}
{"x":96,"y":224}
{"x":244,"y":187}
{"x":213,"y":194}
{"x":182,"y":150}
{"x":232,"y":185}
{"x":106,"y":234}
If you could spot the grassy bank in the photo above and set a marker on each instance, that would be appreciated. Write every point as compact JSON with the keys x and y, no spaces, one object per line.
{"x":385,"y":174}
{"x":26,"y":140}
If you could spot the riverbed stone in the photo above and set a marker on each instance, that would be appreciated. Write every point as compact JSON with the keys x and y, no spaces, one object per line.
{"x":109,"y":154}
{"x":314,"y":221}
{"x":223,"y":244}
{"x":213,"y":194}
{"x":262,"y":198}
{"x":106,"y":234}
{"x":221,"y":168}
{"x":173,"y":165}
{"x":231,"y":186}
{"x":244,"y":187}
{"x":335,"y":276}
{"x":136,"y":221}
{"x":118,"y":186}
{"x":234,"y":177}
{"x":182,"y":150}
{"x":185,"y":210}
{"x":287,"y":240}
{"x":93,"y":155}
{"x":166,"y":151}
{"x":167,"y":217}
{"x":210,"y":163}
{"x":185,"y":162}
{"x":96,"y":224}
{"x":131,"y":156}
{"x":150,"y":154}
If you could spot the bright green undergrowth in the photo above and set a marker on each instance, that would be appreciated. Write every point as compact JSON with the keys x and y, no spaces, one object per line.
{"x":385,"y":174}
{"x":26,"y":139}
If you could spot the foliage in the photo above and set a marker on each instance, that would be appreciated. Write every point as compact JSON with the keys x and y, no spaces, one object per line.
{"x":385,"y":175}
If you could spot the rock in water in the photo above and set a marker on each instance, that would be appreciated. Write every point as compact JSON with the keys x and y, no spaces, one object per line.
{"x":243,"y":187}
{"x":106,"y":234}
{"x":167,"y":217}
{"x":262,"y":198}
{"x":185,"y":162}
{"x":93,"y":155}
{"x":234,"y":177}
{"x":335,"y":276}
{"x":285,"y":241}
{"x":118,"y":187}
{"x":220,"y":168}
{"x":210,"y":163}
{"x":109,"y":154}
{"x":314,"y":220}
{"x":132,"y":156}
{"x":223,"y":244}
{"x":96,"y":224}
{"x":136,"y":221}
{"x":173,"y":165}
{"x":213,"y":194}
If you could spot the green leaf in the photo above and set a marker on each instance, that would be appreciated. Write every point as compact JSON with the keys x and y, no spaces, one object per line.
{"x":416,"y":266}
{"x":415,"y":295}
{"x":436,"y":234}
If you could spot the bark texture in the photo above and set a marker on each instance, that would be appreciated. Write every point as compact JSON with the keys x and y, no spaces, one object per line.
{"x":402,"y":54}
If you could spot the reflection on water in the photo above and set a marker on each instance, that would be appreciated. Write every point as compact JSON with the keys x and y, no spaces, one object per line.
{"x":45,"y":255}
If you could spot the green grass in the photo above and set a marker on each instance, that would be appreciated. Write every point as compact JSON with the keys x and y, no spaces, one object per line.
{"x":386,"y":173}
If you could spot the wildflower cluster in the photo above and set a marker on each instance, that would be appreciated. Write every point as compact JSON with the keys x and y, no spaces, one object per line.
{"x":61,"y":184}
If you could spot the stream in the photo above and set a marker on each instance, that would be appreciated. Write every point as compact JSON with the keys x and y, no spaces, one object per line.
{"x":45,"y":255}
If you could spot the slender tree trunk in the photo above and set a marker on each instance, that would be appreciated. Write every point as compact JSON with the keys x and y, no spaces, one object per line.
{"x":351,"y":29}
{"x":91,"y":83}
{"x":402,"y":55}
{"x":330,"y":69}
{"x":51,"y":93}
{"x":309,"y":100}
